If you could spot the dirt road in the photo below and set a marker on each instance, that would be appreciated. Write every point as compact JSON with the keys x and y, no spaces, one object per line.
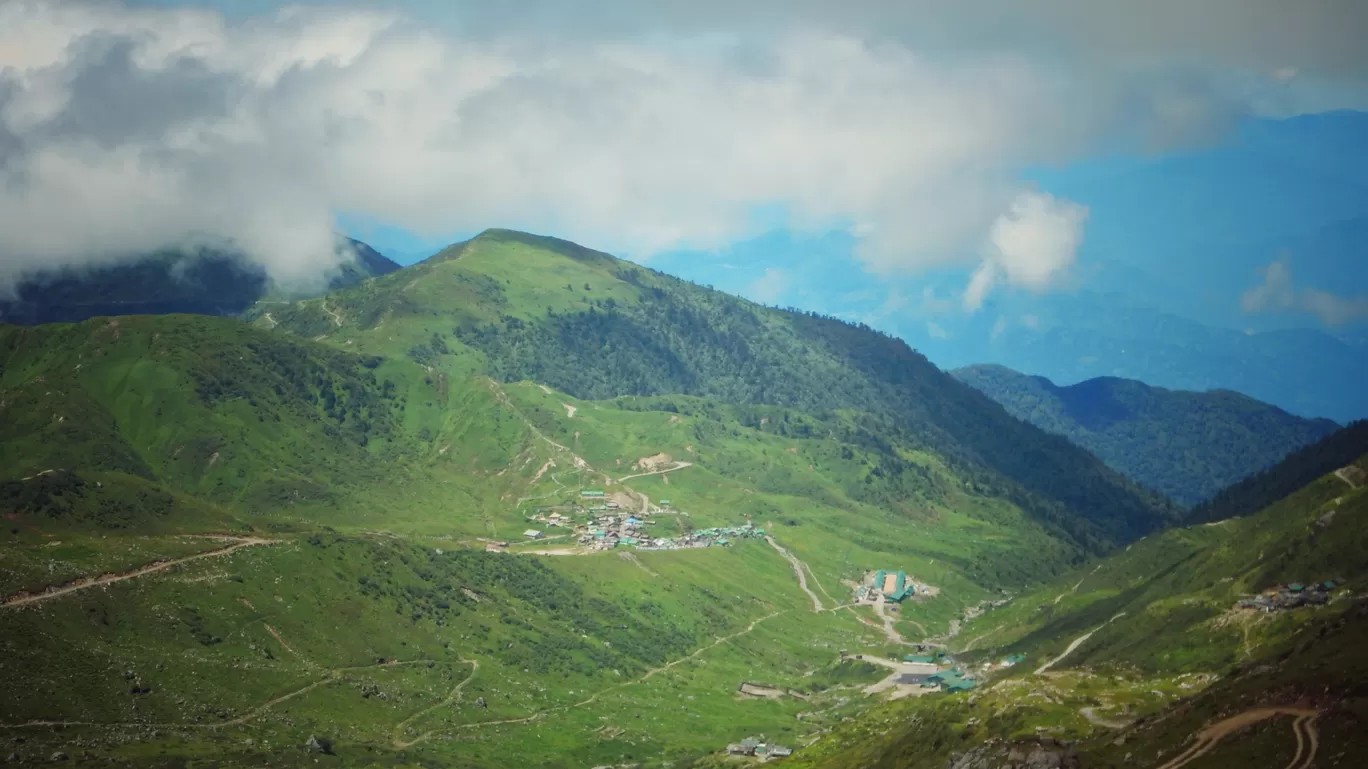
{"x":1213,"y":734}
{"x":1097,"y":720}
{"x":108,"y":579}
{"x":898,"y":669}
{"x":450,"y":698}
{"x":798,"y":570}
{"x":1077,"y":642}
{"x":336,"y":316}
{"x":662,"y":471}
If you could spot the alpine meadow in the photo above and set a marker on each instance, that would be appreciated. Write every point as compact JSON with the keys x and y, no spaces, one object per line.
{"x":758,"y":485}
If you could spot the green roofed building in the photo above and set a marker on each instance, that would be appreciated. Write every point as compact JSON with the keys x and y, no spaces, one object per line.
{"x":591,"y":494}
{"x":960,"y":685}
{"x":944,"y":677}
{"x":922,"y":658}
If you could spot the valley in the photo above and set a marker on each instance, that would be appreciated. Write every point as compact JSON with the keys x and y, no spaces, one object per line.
{"x":473,"y":513}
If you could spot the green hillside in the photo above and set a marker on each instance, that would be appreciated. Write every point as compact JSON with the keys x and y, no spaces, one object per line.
{"x":517,"y":306}
{"x":222,"y":541}
{"x":1187,"y":445}
{"x":1134,"y":657}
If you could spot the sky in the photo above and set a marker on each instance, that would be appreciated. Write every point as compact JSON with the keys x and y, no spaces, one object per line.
{"x":887,"y":142}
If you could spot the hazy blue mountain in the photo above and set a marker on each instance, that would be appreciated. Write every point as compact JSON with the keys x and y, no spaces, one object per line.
{"x":1188,"y":445}
{"x":206,"y":282}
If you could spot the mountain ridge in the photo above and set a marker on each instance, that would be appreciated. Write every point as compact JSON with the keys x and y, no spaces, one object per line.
{"x":203,"y":281}
{"x":522,"y":306}
{"x":1188,"y":445}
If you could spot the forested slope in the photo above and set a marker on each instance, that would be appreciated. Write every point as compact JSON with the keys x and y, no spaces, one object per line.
{"x":520,"y":307}
{"x":1187,"y":445}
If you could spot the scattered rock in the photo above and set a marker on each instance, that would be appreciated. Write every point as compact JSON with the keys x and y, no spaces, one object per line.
{"x":1044,"y":753}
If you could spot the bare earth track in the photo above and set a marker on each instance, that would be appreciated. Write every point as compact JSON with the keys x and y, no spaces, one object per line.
{"x":24,"y":599}
{"x":1308,"y":740}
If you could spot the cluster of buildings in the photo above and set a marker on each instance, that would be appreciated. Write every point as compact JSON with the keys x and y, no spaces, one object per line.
{"x":759,"y":748}
{"x":893,"y":586}
{"x":1283,"y":597}
{"x":951,"y":681}
{"x":722,"y":536}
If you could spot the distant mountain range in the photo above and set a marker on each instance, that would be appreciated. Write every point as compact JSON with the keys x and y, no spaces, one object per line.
{"x":203,"y":282}
{"x":1187,"y":445}
{"x":1171,"y":245}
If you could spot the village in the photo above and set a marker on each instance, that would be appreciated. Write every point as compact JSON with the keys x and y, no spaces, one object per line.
{"x":598,"y":522}
{"x":1290,"y":596}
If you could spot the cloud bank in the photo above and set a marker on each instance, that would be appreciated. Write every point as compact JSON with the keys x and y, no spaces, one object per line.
{"x":1029,"y":246}
{"x":1277,"y":293}
{"x":127,"y":129}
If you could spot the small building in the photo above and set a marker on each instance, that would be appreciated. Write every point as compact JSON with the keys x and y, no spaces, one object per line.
{"x":779,"y":751}
{"x":960,"y":685}
{"x":1296,"y":587}
{"x":591,"y":494}
{"x":926,"y":658}
{"x":1015,"y":659}
{"x":664,"y":503}
{"x":533,"y":534}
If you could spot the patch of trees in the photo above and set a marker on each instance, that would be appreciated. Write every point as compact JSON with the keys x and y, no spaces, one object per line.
{"x":1293,"y":473}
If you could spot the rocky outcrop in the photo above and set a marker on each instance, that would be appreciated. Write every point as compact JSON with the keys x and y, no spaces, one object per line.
{"x":1044,"y":753}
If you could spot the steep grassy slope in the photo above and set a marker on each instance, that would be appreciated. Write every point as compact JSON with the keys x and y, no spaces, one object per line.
{"x":1187,"y":445}
{"x":518,"y":306}
{"x":255,"y":423}
{"x":208,"y":283}
{"x":1161,"y":616}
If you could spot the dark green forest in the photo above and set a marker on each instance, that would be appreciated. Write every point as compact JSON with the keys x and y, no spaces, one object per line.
{"x":1186,"y":445}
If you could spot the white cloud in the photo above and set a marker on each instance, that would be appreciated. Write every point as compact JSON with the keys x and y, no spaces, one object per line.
{"x":124,"y":130}
{"x":1277,"y":293}
{"x":935,"y":331}
{"x":768,"y":288}
{"x":1031,"y":246}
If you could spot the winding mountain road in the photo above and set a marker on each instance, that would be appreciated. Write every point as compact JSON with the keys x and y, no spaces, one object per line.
{"x":1208,"y":738}
{"x":1077,"y":642}
{"x":798,"y":567}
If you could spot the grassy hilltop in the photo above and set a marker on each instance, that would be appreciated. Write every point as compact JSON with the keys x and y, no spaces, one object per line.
{"x":522,"y":307}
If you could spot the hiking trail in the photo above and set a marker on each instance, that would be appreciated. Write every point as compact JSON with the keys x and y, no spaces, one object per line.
{"x":28,"y":599}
